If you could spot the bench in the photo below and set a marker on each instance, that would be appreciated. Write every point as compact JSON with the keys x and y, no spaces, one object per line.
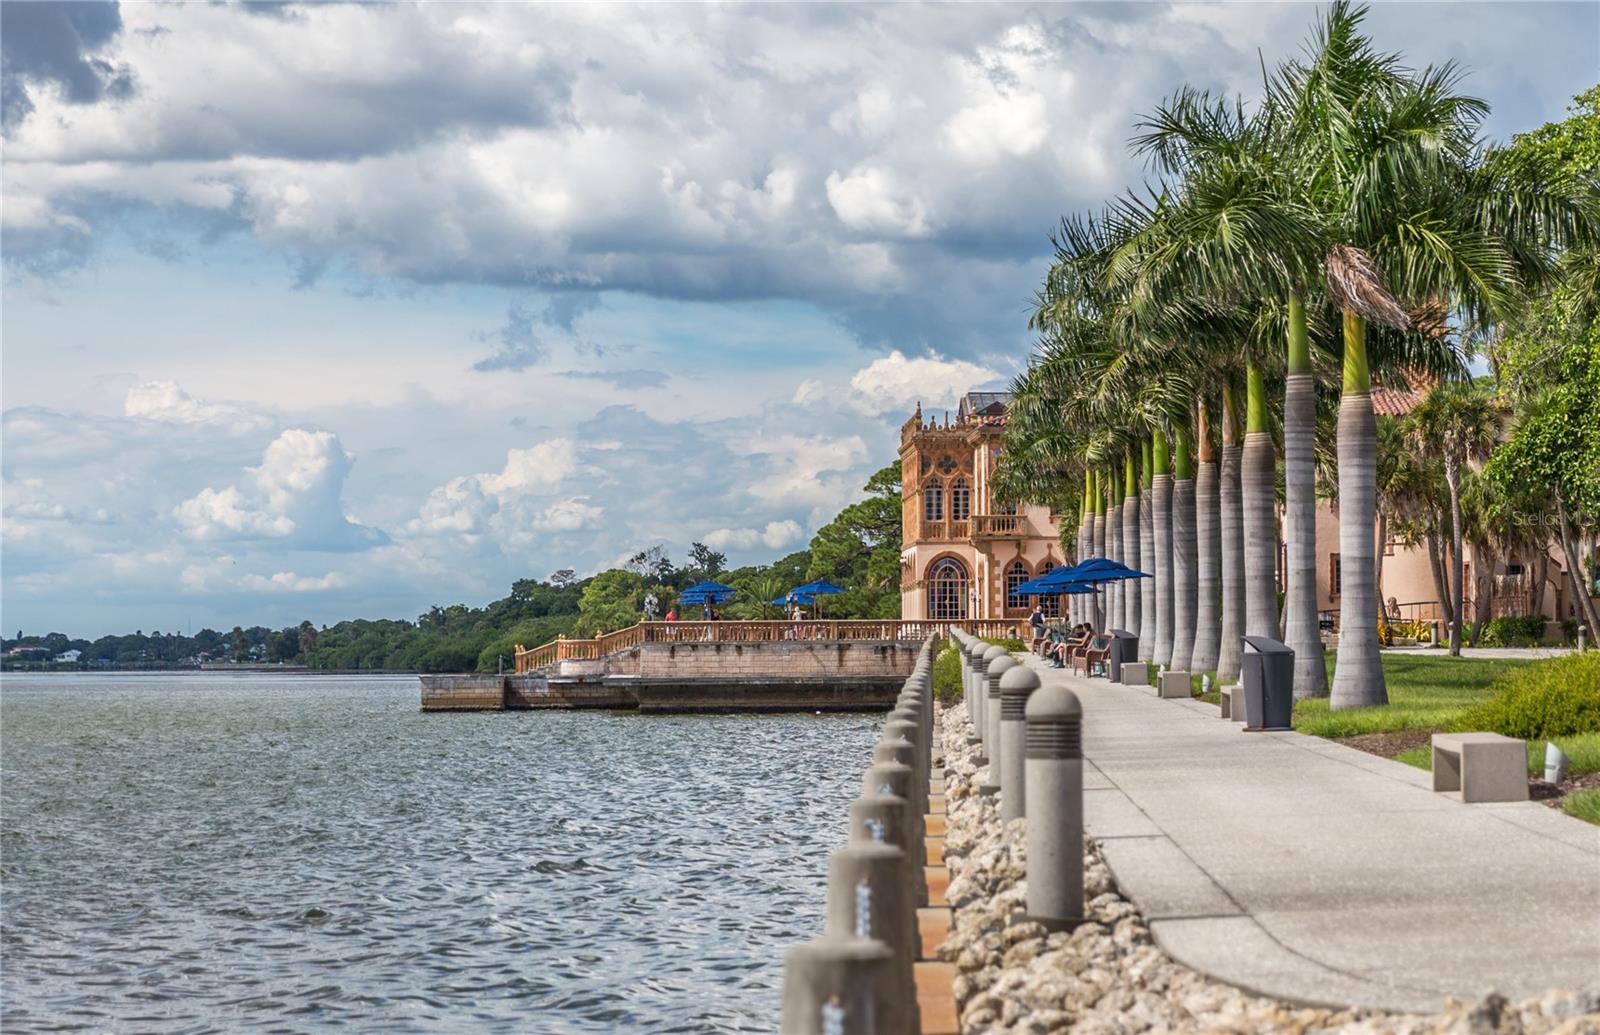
{"x":1174,"y":686}
{"x":1482,"y":766}
{"x":1135,"y":673}
{"x":1225,"y":693}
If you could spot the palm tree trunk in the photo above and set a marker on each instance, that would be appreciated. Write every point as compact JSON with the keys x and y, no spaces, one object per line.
{"x":1130,"y":548}
{"x":1358,"y":668}
{"x":1085,"y":540}
{"x":1184,"y":574}
{"x":1583,"y":605}
{"x":1441,"y":585}
{"x":1230,"y":514}
{"x":1097,"y":616}
{"x":1114,"y":551}
{"x":1259,"y":492}
{"x":1161,"y":501}
{"x":1208,"y":547}
{"x":1300,"y":511}
{"x":1452,"y":478}
{"x":1147,"y":560}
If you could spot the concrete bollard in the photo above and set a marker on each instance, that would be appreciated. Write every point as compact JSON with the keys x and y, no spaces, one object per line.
{"x":868,"y":898}
{"x":841,"y":986}
{"x":904,"y":729}
{"x":1054,"y":778}
{"x":975,"y":702}
{"x":897,"y":753}
{"x":894,"y":779}
{"x":1017,"y":684}
{"x":996,"y":666}
{"x":987,"y":653}
{"x":912,"y":701}
{"x":886,"y":819}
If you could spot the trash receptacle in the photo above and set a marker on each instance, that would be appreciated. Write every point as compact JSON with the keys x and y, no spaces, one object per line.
{"x":1268,"y":678}
{"x":1124,"y":647}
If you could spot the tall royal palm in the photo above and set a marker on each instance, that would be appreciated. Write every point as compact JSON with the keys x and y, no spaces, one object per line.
{"x":1385,"y":155}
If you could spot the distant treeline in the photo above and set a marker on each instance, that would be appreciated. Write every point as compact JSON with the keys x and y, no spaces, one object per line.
{"x":859,"y":549}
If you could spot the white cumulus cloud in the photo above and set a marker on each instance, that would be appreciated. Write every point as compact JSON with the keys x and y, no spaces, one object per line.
{"x":897,"y":382}
{"x":775,"y":536}
{"x":294,"y":494}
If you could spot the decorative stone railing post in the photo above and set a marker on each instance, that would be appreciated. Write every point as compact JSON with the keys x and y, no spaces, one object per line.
{"x":1053,"y":777}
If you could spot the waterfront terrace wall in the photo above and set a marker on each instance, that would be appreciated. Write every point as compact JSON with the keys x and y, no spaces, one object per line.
{"x":795,"y":659}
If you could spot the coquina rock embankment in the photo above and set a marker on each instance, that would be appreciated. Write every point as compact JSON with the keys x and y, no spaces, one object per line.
{"x":1108,"y":975}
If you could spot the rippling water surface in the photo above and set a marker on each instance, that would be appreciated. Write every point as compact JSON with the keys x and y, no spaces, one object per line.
{"x":198,"y":852}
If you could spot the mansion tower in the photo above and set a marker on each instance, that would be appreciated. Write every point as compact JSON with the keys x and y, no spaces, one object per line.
{"x":961,"y":553}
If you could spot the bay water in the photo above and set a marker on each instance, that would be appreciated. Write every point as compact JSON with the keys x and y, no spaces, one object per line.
{"x":199,"y":852}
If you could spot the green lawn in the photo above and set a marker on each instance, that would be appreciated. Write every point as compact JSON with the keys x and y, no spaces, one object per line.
{"x":1585,"y":805}
{"x":1426,"y":691}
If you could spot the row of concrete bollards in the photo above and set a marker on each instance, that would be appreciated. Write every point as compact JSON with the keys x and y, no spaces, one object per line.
{"x":1032,"y":740}
{"x":860,"y":975}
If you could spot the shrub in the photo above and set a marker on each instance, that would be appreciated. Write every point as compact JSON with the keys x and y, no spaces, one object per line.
{"x":1553,"y":698}
{"x":1418,"y":631}
{"x":947,"y":675}
{"x":1513,"y":631}
{"x":1007,"y":642}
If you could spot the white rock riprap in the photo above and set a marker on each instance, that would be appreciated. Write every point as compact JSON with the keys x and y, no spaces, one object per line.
{"x":1108,"y":975}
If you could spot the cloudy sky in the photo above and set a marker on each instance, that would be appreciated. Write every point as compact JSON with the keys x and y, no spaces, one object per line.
{"x":323,"y":311}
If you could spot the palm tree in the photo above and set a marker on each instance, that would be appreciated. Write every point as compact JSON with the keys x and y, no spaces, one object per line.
{"x":1231,"y":525}
{"x":1184,"y":573}
{"x":1161,"y":508}
{"x":1457,"y":423}
{"x":1147,"y":550}
{"x":1208,"y":547}
{"x":1130,"y":544}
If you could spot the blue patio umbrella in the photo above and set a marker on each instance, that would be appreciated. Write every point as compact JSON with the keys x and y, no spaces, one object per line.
{"x":818,"y":588}
{"x":1088,"y":574}
{"x":700,"y":592}
{"x":795,"y":598}
{"x":821,"y":587}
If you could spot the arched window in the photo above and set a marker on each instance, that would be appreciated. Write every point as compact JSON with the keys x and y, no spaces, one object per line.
{"x":933,"y":500}
{"x":1016,"y":575}
{"x":947,"y":590}
{"x":960,"y":500}
{"x":1051,"y":605}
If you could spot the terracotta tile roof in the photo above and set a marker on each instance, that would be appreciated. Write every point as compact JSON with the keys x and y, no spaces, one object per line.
{"x":1393,"y":402}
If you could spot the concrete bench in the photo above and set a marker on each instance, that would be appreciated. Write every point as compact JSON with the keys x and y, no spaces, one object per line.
{"x":1225,"y":702}
{"x":1482,"y":766}
{"x":1135,"y":673}
{"x":1175,"y":686}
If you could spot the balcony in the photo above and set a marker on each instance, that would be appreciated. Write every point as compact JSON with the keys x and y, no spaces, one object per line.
{"x":999,"y":526}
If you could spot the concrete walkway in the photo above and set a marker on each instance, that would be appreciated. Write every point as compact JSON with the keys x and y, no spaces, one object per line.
{"x":1301,"y":869}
